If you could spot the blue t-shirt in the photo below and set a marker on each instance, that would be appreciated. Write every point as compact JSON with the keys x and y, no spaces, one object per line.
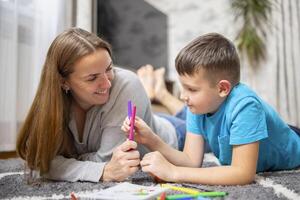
{"x":245,"y":118}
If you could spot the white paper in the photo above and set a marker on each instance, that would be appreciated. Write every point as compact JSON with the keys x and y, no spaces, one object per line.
{"x":126,"y":191}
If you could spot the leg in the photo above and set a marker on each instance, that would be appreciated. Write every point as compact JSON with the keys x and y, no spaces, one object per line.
{"x":146,"y":75}
{"x":154,"y":84}
{"x":180,"y":128}
{"x":172,"y":103}
{"x":182,"y":113}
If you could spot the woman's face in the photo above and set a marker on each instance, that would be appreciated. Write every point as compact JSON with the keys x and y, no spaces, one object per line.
{"x":91,"y":79}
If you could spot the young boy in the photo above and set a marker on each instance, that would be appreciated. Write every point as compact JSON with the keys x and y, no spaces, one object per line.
{"x":243,"y":131}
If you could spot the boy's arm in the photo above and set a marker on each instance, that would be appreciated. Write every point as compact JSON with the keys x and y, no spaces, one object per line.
{"x":191,"y":156}
{"x":241,"y":171}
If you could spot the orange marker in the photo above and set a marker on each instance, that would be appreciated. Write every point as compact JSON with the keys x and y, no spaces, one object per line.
{"x":162,"y":196}
{"x":73,"y":197}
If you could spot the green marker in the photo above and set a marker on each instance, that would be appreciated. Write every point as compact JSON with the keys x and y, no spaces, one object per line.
{"x":180,"y":196}
{"x":200,"y":194}
{"x":212,"y":194}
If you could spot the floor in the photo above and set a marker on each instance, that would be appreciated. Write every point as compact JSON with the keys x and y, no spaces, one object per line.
{"x":281,"y":185}
{"x":10,"y":154}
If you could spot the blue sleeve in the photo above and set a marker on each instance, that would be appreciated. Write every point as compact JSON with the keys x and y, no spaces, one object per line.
{"x":248,"y":122}
{"x":193,"y":122}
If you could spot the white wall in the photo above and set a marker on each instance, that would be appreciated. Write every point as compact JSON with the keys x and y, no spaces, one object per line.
{"x":191,"y":18}
{"x":84,"y":14}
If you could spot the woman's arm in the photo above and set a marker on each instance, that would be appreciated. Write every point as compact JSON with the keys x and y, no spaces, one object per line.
{"x":122,"y":164}
{"x":72,"y":170}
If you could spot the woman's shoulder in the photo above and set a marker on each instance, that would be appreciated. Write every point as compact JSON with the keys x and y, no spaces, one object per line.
{"x":125,"y":75}
{"x":125,"y":80}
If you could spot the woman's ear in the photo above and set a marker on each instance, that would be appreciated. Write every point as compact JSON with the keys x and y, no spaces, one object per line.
{"x":64,"y":85}
{"x":224,"y":88}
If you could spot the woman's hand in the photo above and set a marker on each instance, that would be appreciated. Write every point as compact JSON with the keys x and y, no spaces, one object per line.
{"x":143,"y":133}
{"x":124,"y":162}
{"x":155,"y":164}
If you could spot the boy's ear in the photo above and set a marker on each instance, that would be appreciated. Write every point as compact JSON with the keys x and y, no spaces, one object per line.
{"x":224,"y":88}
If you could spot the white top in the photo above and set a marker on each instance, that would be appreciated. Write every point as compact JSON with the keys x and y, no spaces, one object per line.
{"x":102,"y":131}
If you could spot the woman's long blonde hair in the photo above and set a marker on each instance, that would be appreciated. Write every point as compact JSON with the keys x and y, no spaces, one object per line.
{"x":45,"y":132}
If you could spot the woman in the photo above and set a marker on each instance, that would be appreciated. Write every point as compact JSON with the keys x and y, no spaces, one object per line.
{"x":73,"y":129}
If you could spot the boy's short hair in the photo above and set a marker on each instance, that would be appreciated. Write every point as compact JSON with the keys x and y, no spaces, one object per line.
{"x":215,"y":54}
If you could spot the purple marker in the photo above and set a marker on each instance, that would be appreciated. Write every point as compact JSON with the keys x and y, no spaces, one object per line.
{"x":132,"y":120}
{"x":129,"y":108}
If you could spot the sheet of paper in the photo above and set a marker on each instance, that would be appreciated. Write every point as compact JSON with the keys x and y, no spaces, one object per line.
{"x":127,"y":191}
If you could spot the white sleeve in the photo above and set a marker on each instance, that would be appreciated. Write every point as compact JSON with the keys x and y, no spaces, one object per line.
{"x":70,"y":169}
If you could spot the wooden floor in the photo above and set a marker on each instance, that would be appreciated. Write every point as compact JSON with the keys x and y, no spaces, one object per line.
{"x":6,"y":155}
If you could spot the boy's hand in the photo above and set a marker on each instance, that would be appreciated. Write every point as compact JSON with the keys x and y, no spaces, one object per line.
{"x":155,"y":164}
{"x":124,"y":162}
{"x":143,"y":133}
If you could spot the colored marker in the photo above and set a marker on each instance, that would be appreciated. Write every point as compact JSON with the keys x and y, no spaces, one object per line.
{"x":202,"y":198}
{"x":212,"y":194}
{"x":129,"y":109}
{"x":132,"y":120}
{"x":200,"y":194}
{"x":181,"y":189}
{"x":73,"y":197}
{"x":162,"y":196}
{"x":180,"y":196}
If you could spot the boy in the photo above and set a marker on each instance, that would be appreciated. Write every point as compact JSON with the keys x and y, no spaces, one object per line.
{"x":244,"y":133}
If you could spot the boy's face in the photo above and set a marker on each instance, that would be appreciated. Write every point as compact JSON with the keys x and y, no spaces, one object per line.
{"x":199,"y":94}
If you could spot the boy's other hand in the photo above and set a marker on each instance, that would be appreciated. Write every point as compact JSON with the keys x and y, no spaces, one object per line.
{"x":155,"y":164}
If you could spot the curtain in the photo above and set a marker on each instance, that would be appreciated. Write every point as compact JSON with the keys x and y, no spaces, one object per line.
{"x":277,"y":80}
{"x":27,"y":28}
{"x":287,"y":33}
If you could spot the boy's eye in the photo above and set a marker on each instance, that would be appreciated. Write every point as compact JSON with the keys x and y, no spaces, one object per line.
{"x":108,"y":69}
{"x":191,"y":90}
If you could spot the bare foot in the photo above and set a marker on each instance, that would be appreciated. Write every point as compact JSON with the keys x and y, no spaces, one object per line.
{"x":160,"y":88}
{"x":161,"y":94}
{"x":146,"y":75}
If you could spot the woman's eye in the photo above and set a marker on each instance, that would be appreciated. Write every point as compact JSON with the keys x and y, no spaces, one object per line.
{"x":92,"y":78}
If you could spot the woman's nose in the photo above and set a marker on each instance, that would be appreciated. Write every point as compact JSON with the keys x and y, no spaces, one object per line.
{"x":105,"y":81}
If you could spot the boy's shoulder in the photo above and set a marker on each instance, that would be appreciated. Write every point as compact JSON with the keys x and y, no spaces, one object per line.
{"x":241,"y":93}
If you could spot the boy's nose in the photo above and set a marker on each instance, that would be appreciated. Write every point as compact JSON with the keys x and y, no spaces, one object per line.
{"x":183,"y":97}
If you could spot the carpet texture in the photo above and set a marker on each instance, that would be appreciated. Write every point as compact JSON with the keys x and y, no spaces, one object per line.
{"x":13,"y":185}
